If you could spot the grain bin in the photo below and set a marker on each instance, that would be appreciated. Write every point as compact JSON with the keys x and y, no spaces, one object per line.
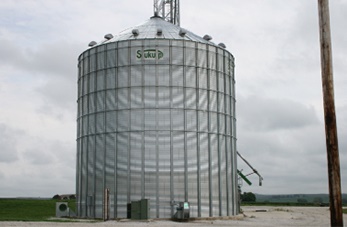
{"x":156,"y":121}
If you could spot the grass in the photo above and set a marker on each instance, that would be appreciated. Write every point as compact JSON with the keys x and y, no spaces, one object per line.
{"x":44,"y":209}
{"x":29,"y":209}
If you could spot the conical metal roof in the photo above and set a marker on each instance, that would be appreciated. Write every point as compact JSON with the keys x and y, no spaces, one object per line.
{"x":157,"y":28}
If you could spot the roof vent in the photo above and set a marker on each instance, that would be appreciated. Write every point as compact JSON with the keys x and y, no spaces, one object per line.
{"x":135,"y":32}
{"x":182,"y":32}
{"x":108,"y":36}
{"x":222,"y":45}
{"x":92,"y":43}
{"x":207,"y":37}
{"x":159,"y":31}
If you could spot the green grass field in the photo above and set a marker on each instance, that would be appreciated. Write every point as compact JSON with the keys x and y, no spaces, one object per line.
{"x":44,"y":209}
{"x":29,"y":209}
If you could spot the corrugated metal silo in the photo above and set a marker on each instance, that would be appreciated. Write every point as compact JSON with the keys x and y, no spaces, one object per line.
{"x":156,"y":120}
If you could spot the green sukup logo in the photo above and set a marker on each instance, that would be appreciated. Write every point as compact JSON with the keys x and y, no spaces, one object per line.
{"x":149,"y":54}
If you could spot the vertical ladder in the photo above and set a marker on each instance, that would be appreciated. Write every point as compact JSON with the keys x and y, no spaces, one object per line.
{"x":169,"y":10}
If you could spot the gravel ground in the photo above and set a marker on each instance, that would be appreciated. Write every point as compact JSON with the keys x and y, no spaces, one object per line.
{"x":252,"y":216}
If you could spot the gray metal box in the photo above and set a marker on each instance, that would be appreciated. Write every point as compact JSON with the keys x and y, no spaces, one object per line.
{"x":62,"y":209}
{"x":140,"y":209}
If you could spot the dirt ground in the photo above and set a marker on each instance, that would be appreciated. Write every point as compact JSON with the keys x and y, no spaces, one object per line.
{"x":252,"y":216}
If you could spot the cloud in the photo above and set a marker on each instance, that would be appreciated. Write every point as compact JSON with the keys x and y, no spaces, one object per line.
{"x":279,"y":112}
{"x":264,"y":114}
{"x":284,"y":140}
{"x":42,"y":168}
{"x":8,"y":143}
{"x":58,"y":59}
{"x":51,"y":70}
{"x":290,"y":161}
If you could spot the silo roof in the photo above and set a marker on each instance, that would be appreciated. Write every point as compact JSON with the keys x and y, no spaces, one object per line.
{"x":156,"y":28}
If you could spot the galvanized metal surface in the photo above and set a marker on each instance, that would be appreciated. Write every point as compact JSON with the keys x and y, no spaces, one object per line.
{"x":169,"y":10}
{"x":156,"y":120}
{"x":149,"y":30}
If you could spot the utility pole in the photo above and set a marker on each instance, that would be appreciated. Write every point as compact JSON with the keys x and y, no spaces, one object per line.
{"x":336,"y":218}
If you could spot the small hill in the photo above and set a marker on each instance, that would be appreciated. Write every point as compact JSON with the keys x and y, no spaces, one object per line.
{"x":297,"y":198}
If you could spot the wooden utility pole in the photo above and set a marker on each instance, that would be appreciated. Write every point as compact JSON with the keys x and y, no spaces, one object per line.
{"x":336,"y":218}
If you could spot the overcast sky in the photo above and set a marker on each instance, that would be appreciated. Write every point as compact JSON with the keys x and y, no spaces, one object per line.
{"x":280,"y":124}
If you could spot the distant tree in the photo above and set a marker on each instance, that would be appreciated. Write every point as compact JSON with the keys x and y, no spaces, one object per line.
{"x":317,"y":200}
{"x":248,"y":197}
{"x":302,"y":200}
{"x":72,"y":197}
{"x":56,"y":196}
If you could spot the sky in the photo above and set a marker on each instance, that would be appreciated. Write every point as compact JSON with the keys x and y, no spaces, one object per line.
{"x":279,"y":101}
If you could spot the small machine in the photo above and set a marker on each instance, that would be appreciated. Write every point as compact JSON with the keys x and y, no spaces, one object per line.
{"x":62,"y":209}
{"x":183,"y":211}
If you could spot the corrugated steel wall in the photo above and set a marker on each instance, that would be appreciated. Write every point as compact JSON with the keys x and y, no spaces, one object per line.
{"x":156,"y":120}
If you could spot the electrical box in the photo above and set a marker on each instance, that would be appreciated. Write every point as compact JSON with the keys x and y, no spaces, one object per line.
{"x":135,"y":210}
{"x":144,"y":207}
{"x":139,"y":209}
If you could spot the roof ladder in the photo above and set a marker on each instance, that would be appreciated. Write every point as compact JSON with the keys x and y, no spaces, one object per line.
{"x":169,"y":10}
